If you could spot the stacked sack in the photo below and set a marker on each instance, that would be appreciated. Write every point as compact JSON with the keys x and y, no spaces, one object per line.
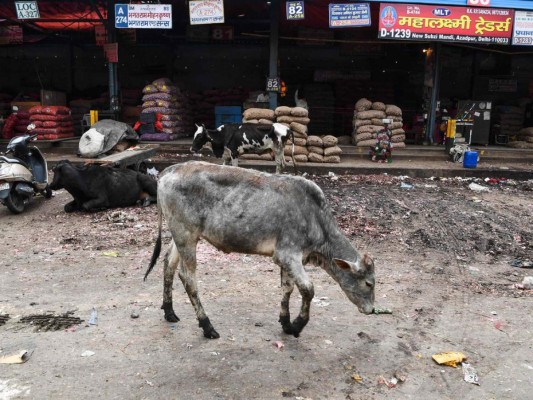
{"x":323,"y":149}
{"x":368,"y":122}
{"x":524,"y":139}
{"x":297,"y":119}
{"x":163,"y":97}
{"x":258,"y":116}
{"x":52,"y":122}
{"x":16,"y":124}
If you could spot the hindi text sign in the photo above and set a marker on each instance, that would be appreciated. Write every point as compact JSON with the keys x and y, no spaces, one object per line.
{"x":448,"y":24}
{"x":349,"y":15}
{"x":143,"y":16}
{"x":295,"y":10}
{"x":523,"y":28}
{"x":206,"y":12}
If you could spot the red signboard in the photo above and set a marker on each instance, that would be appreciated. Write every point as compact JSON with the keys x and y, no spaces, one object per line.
{"x":448,"y":24}
{"x":111,"y":52}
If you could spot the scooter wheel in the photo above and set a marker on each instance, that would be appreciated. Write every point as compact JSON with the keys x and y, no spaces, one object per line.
{"x":15,"y":202}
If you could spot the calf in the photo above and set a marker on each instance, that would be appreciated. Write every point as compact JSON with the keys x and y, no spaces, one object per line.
{"x":246,"y":211}
{"x":237,"y":138}
{"x":97,"y":187}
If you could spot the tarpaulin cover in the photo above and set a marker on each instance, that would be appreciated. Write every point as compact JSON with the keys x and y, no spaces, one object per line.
{"x":103,"y":136}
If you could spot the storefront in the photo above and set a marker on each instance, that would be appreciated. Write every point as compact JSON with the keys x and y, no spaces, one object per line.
{"x":228,"y":64}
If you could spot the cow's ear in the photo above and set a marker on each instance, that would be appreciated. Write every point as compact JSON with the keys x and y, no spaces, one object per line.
{"x":196,"y":125}
{"x":368,"y":262}
{"x":342,"y":264}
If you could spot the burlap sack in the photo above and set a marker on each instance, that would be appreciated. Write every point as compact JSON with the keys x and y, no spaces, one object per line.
{"x":395,"y":118}
{"x":314,"y":141}
{"x":300,"y":158}
{"x":299,"y":112}
{"x":314,"y":157}
{"x":367,"y":143}
{"x":332,"y":159}
{"x":316,"y":150}
{"x":391,"y":109}
{"x":299,"y":135}
{"x":289,"y":118}
{"x":399,"y":131}
{"x":396,"y":125}
{"x":282,"y":110}
{"x":378,"y":105}
{"x":258,"y":113}
{"x":363,"y":136}
{"x":377,"y":121}
{"x":332,"y":151}
{"x":298,"y":141}
{"x":398,"y":145}
{"x":297,"y":127}
{"x":370,"y":114}
{"x":398,"y":138}
{"x":369,"y":128}
{"x":363,"y":104}
{"x":526,"y":131}
{"x":252,"y":156}
{"x":265,"y":121}
{"x":287,"y":150}
{"x":250,"y":121}
{"x":528,"y":139}
{"x":361,"y":122}
{"x":329,"y":141}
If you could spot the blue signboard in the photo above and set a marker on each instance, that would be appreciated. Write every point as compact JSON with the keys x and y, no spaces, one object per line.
{"x":295,"y":10}
{"x":349,"y":15}
{"x":121,"y":15}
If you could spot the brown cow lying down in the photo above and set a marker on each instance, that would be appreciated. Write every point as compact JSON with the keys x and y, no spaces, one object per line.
{"x":96,"y":187}
{"x":244,"y":211}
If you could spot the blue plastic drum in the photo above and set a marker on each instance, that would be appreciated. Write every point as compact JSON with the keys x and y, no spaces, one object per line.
{"x":470,"y":159}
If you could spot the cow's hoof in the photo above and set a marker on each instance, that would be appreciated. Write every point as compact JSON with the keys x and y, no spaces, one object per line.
{"x":298,"y":325}
{"x":209,"y":331}
{"x":171,"y":317}
{"x":286,"y":325}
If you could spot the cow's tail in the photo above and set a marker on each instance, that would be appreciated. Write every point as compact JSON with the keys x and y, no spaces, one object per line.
{"x":292,"y":153}
{"x":157,"y":247}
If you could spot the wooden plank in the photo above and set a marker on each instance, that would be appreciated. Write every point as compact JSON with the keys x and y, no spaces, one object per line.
{"x":126,"y":157}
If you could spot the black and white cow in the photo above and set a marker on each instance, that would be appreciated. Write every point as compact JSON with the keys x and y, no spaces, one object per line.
{"x":97,"y":187}
{"x":246,"y":211}
{"x":236,"y":138}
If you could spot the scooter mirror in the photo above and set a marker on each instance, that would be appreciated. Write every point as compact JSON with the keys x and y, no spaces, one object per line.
{"x":31,"y":127}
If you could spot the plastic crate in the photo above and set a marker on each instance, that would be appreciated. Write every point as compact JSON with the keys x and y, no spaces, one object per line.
{"x":227,"y":114}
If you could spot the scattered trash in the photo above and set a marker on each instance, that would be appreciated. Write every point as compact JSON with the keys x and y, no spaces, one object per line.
{"x":320,"y":302}
{"x":94,"y":318}
{"x":478,"y":188}
{"x":391,"y":383}
{"x":258,"y":324}
{"x":134,"y":314}
{"x":19,"y":358}
{"x":332,"y":176}
{"x":450,"y":358}
{"x":152,"y":172}
{"x":328,"y":341}
{"x":382,"y":310}
{"x":404,"y":185}
{"x":528,"y":282}
{"x":110,"y":253}
{"x":522,"y":263}
{"x":357,"y":378}
{"x":3,"y":318}
{"x":470,"y":374}
{"x":215,"y":353}
{"x":279,"y":344}
{"x":88,"y":353}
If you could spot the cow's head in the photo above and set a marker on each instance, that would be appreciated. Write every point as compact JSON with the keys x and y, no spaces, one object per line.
{"x":201,"y":137}
{"x":61,"y":173}
{"x":357,"y":280}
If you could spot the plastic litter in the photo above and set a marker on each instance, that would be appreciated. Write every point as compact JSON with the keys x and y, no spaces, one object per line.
{"x":470,"y":374}
{"x":382,"y":310}
{"x":478,"y":188}
{"x":522,"y":263}
{"x":404,"y":185}
{"x":94,"y":317}
{"x":451,"y":358}
{"x":88,"y":353}
{"x":18,"y":358}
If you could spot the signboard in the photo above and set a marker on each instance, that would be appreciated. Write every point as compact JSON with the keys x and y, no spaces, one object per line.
{"x":100,"y":35}
{"x":27,"y":9}
{"x":143,"y":16}
{"x":111,"y":52}
{"x":503,"y":85}
{"x":523,"y":28}
{"x":273,"y":85}
{"x":448,"y":24}
{"x":295,"y":10}
{"x":206,"y":12}
{"x":224,"y":32}
{"x":349,"y":15}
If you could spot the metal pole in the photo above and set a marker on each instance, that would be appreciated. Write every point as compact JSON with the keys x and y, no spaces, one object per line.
{"x":112,"y":67}
{"x":274,"y":36}
{"x":434,"y":95}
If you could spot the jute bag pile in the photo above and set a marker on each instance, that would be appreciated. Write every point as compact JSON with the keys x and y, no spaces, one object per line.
{"x":258,"y":116}
{"x":297,"y":119}
{"x":368,"y":122}
{"x":323,"y":149}
{"x":524,"y":139}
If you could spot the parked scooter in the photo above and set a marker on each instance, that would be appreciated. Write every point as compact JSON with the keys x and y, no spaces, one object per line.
{"x":23,"y":175}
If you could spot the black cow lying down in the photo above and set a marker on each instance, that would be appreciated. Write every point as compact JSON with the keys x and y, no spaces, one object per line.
{"x":245,"y":211}
{"x":97,"y":187}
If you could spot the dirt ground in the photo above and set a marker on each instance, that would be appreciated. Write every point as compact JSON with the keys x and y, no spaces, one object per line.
{"x":449,"y":263}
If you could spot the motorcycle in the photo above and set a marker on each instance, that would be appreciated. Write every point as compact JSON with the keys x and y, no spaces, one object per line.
{"x":23,"y":175}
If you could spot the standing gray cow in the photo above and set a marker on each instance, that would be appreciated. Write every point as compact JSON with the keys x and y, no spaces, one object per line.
{"x":245,"y":211}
